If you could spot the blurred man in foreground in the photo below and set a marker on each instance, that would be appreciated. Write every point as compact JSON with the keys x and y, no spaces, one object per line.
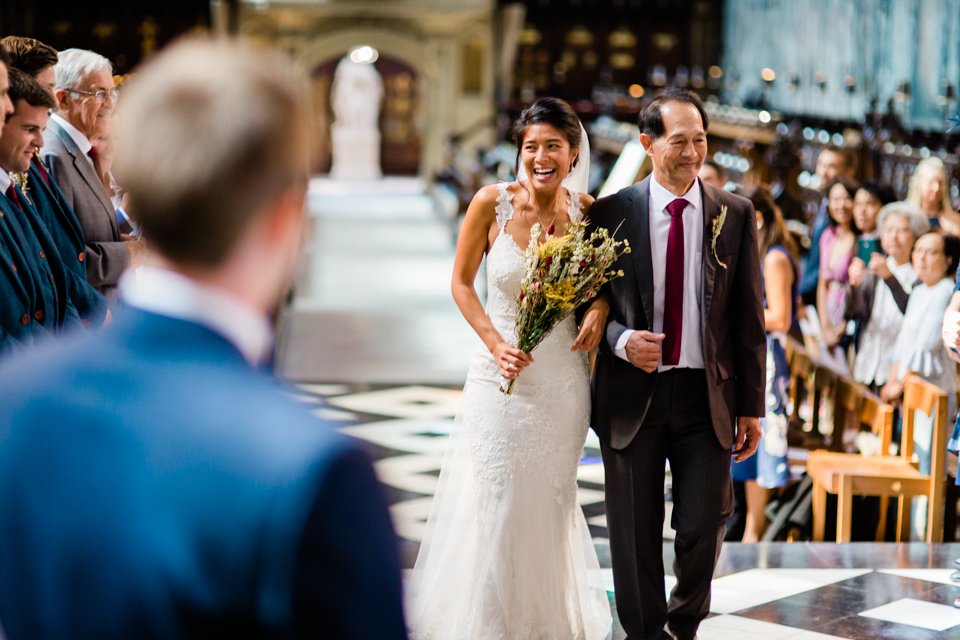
{"x":155,"y":483}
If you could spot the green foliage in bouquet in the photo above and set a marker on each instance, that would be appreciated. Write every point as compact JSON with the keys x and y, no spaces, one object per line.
{"x":561,"y":274}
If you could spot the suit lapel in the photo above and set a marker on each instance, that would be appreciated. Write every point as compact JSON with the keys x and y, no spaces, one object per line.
{"x":85,"y":170}
{"x":640,"y":238}
{"x":12,"y":251}
{"x":711,"y":209}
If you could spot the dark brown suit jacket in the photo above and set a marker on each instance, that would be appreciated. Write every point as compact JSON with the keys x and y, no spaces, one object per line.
{"x":731,"y":316}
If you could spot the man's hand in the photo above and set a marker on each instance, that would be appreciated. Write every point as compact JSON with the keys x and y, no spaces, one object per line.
{"x":643,"y":350}
{"x":748,"y":438}
{"x":137,"y":248}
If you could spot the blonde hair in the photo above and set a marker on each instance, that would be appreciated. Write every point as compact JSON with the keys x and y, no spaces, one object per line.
{"x":208,"y":134}
{"x":923,"y":169}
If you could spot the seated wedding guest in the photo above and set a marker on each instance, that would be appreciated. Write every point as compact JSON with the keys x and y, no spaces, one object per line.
{"x":919,"y":346}
{"x":867,"y":201}
{"x":879,"y":291}
{"x":713,"y":174}
{"x":86,"y":95}
{"x":156,"y":481}
{"x":833,"y":162}
{"x":19,"y":298}
{"x":57,"y":238}
{"x":33,"y":57}
{"x":929,"y":191}
{"x":36,"y":60}
{"x":768,"y":469}
{"x":837,"y":248}
{"x":39,"y":257}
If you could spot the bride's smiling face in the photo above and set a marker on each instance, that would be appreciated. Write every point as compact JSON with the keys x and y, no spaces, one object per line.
{"x":546,"y":155}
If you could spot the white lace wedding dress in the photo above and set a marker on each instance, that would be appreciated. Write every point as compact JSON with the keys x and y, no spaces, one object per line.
{"x":507,"y":553}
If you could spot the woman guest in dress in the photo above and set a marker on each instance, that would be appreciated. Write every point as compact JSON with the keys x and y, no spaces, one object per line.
{"x":919,"y":346}
{"x":837,"y":247}
{"x":768,"y":469}
{"x":507,"y":552}
{"x":879,"y":291}
{"x":867,"y":202}
{"x":928,"y":190}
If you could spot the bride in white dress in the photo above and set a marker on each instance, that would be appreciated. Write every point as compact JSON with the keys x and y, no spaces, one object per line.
{"x":507,"y":553}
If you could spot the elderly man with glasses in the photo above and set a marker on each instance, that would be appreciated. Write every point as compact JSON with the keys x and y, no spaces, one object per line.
{"x":86,"y":96}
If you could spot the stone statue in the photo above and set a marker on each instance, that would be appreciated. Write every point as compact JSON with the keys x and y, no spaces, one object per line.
{"x":355,"y":96}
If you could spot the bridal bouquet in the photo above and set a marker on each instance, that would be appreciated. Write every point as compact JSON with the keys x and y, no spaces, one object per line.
{"x":561,"y":274}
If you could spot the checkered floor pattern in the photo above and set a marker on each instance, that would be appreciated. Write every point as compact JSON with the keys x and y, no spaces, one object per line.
{"x":799,"y":591}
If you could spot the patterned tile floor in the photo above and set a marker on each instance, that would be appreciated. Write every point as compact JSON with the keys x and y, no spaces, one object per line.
{"x":373,"y":306}
{"x":799,"y":591}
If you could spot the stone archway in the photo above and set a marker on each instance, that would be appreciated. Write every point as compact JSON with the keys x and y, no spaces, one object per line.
{"x":408,"y":66}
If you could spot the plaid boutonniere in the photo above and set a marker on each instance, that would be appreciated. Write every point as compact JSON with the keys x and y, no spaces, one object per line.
{"x":717,"y":228}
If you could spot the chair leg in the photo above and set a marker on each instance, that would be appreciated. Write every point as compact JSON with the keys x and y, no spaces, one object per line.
{"x":819,"y":510}
{"x":844,"y":508}
{"x":882,"y":524}
{"x":903,"y":517}
{"x":934,"y":517}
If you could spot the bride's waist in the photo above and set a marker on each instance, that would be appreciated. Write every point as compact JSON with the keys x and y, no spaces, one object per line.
{"x":506,"y":325}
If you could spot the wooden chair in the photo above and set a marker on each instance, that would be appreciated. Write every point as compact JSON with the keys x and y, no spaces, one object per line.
{"x":887,"y":476}
{"x":801,"y":369}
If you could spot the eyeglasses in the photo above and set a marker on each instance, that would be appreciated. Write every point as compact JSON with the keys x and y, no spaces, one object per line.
{"x":927,"y":253}
{"x":100,"y":94}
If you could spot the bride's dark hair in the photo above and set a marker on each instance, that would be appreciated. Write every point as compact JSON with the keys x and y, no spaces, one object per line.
{"x":554,"y":112}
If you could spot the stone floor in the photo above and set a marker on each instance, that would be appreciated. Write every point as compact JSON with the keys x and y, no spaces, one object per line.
{"x":379,"y":351}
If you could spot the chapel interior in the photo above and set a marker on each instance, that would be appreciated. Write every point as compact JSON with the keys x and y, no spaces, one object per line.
{"x":413,"y":102}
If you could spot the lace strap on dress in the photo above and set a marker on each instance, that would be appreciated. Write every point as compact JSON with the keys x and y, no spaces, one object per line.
{"x":575,"y":207}
{"x":504,"y":208}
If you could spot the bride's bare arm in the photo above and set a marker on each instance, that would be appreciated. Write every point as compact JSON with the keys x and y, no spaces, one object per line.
{"x":478,"y":227}
{"x":593,"y":325}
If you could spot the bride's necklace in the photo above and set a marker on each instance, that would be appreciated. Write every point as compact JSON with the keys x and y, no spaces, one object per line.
{"x":548,"y":228}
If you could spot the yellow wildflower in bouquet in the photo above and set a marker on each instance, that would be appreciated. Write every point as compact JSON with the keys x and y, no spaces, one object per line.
{"x":561,"y":274}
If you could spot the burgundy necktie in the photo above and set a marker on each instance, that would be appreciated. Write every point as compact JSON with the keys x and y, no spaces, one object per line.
{"x":95,"y":157}
{"x":673,"y":285}
{"x":12,"y":195}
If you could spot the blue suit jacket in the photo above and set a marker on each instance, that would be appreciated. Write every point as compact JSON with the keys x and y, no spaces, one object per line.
{"x":28,"y":305}
{"x":155,"y":486}
{"x":64,"y":228}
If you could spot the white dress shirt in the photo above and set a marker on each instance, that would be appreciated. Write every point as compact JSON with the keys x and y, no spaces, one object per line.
{"x":5,"y":181}
{"x":691,"y":341}
{"x":174,"y":295}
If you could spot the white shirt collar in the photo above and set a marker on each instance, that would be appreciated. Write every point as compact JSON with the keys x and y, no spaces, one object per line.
{"x":78,"y":138}
{"x":660,"y":197}
{"x":172,"y":294}
{"x":5,"y":181}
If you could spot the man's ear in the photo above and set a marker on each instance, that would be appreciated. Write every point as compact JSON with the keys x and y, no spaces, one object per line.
{"x":646,"y":141}
{"x":62,"y":96}
{"x":287,"y":212}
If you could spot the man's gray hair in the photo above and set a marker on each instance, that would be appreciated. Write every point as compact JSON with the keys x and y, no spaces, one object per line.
{"x":209,"y":133}
{"x":73,"y":65}
{"x":914,"y":216}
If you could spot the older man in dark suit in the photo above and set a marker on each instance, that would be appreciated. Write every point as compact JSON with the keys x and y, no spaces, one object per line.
{"x":155,"y":481}
{"x":680,"y":377}
{"x":86,"y":95}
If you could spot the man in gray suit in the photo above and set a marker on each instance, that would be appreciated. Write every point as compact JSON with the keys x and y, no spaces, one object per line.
{"x":87,"y":97}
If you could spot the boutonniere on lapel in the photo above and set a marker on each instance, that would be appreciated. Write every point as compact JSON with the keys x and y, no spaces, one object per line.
{"x":717,"y":228}
{"x":20,"y":179}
